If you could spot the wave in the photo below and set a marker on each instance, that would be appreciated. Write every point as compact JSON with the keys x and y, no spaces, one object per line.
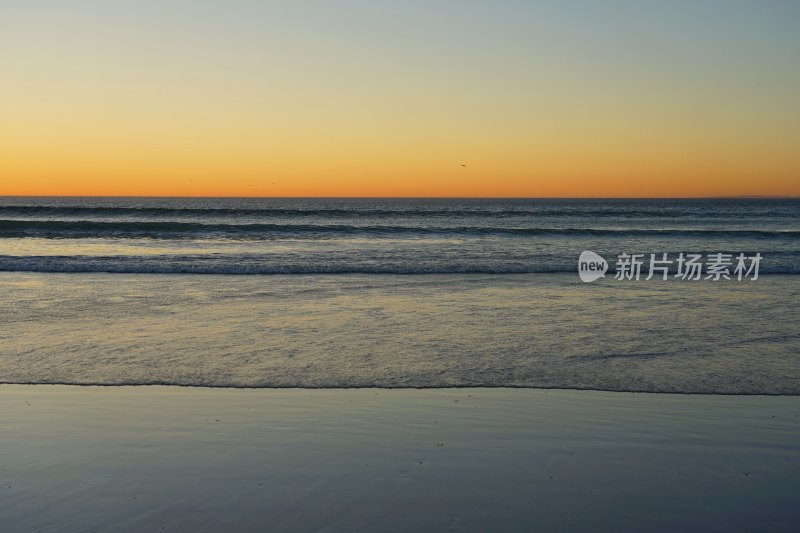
{"x":237,"y":265}
{"x":173,"y":230}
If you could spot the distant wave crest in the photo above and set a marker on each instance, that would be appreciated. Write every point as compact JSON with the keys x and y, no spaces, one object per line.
{"x":55,"y":229}
{"x":265,"y":212}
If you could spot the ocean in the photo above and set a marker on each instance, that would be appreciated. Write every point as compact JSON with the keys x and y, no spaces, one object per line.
{"x":251,"y":292}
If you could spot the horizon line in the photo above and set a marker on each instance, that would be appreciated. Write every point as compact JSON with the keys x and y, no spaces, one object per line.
{"x":710,"y":197}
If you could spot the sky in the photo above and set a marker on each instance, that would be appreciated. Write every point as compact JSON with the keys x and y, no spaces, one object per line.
{"x":503,"y":98}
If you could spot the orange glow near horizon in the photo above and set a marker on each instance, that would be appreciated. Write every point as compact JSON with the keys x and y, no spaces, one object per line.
{"x":541,"y":159}
{"x":376,"y":99}
{"x":215,"y":171}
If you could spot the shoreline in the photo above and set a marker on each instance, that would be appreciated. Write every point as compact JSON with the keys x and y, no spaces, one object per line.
{"x":391,"y":388}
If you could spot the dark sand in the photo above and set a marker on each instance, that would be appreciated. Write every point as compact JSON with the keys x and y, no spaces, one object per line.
{"x":194,"y":459}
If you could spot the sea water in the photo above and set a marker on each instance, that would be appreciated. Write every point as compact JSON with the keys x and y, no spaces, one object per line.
{"x":395,"y":293}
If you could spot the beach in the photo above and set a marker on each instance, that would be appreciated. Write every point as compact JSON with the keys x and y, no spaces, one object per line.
{"x":153,"y":458}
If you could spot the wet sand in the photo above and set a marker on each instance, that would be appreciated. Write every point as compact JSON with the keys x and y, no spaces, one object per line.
{"x":194,"y":459}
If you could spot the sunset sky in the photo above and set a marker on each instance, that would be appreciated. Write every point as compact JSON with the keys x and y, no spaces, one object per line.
{"x":389,"y":98}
